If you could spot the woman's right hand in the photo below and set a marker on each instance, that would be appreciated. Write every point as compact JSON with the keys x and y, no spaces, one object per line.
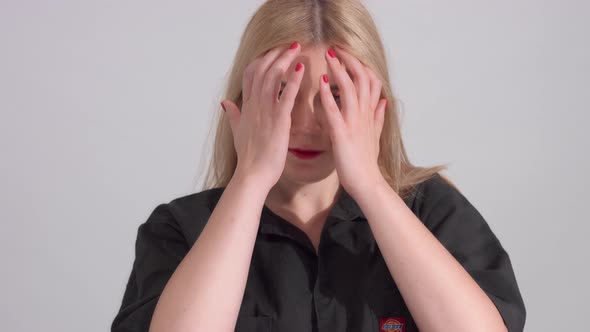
{"x":261,"y":129}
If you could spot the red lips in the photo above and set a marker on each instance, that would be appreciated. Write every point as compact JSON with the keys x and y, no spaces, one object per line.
{"x":305,"y":154}
{"x":304,"y":150}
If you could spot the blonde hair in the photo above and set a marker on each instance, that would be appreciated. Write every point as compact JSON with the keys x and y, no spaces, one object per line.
{"x":345,"y":23}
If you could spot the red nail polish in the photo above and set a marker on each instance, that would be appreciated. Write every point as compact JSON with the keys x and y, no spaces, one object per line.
{"x":294,"y":45}
{"x":299,"y":66}
{"x":223,"y":106}
{"x":325,"y":78}
{"x":331,"y":53}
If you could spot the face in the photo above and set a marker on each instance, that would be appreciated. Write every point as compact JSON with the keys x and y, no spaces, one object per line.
{"x":307,"y":125}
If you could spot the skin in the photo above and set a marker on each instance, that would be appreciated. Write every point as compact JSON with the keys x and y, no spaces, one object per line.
{"x":430,"y":279}
{"x":210,"y":281}
{"x":307,"y":189}
{"x":440,"y":294}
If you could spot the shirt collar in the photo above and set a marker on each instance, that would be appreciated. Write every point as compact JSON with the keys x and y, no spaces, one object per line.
{"x":344,"y":210}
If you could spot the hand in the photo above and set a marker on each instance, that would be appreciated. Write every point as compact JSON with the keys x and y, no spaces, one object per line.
{"x":261,"y":128}
{"x":356,"y":128}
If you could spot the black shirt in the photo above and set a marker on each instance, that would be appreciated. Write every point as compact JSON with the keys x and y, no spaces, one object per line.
{"x":345,"y":287}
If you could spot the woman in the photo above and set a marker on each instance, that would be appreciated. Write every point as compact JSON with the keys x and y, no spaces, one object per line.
{"x":314,"y":218}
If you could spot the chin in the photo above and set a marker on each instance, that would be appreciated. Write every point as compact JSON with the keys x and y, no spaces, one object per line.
{"x":302,"y":175}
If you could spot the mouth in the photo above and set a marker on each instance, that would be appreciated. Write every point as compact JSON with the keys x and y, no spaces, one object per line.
{"x":305,"y":154}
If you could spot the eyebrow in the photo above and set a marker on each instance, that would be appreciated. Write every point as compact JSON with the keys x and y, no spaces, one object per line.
{"x":332,"y":87}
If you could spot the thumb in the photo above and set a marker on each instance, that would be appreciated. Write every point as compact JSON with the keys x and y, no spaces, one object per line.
{"x":380,"y":116}
{"x":233,"y":113}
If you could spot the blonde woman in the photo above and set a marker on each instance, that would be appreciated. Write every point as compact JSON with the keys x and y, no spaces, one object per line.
{"x":313,"y":218}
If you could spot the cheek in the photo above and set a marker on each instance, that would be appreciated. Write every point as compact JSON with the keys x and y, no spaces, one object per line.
{"x":327,"y":159}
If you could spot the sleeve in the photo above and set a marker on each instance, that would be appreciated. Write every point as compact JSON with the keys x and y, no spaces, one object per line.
{"x":456,"y":223}
{"x":159,"y":249}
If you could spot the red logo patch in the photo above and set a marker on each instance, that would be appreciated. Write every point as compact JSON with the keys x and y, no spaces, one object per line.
{"x":392,"y":324}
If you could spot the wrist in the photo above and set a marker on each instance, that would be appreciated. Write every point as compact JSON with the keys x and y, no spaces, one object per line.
{"x":253,"y":182}
{"x":367,"y":185}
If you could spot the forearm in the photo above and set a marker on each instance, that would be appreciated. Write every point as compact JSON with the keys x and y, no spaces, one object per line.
{"x":439,"y":293}
{"x":206,"y":290}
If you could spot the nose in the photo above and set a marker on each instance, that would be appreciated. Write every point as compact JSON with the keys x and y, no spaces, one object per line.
{"x":305,"y":116}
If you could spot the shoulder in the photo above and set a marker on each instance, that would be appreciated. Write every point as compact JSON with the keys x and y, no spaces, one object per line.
{"x":435,"y":187}
{"x":437,"y":198}
{"x":195,"y":204}
{"x":464,"y":232}
{"x":191,"y":212}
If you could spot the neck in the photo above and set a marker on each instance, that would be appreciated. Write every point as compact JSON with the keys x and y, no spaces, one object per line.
{"x":304,"y":201}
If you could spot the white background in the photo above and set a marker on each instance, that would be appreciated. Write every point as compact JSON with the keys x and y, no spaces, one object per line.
{"x":105,"y":109}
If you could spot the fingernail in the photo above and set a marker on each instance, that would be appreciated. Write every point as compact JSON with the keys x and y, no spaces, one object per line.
{"x":223,"y":106}
{"x":299,"y":66}
{"x":294,"y":45}
{"x":325,"y":78}
{"x":331,"y":53}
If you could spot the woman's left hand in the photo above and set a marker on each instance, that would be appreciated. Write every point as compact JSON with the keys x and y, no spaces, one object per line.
{"x":354,"y":129}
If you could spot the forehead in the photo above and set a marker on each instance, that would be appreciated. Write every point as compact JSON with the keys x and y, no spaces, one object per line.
{"x":313,"y":57}
{"x":314,"y":60}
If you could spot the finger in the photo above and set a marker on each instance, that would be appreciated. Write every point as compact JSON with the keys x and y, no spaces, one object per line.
{"x":380,"y":116}
{"x":247,"y":80}
{"x":257,"y":70}
{"x":276,"y":72}
{"x":376,"y":86}
{"x":348,"y":95}
{"x":291,"y":88}
{"x":331,"y":110}
{"x":360,"y":78}
{"x":233,"y":113}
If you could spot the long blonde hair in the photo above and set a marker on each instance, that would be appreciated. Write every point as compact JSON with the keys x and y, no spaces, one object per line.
{"x":345,"y":23}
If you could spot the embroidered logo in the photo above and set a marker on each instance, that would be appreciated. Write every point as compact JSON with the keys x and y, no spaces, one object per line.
{"x":392,"y":324}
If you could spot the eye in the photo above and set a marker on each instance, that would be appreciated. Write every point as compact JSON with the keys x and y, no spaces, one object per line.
{"x":283,"y":84}
{"x":337,"y":98}
{"x":336,"y":94}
